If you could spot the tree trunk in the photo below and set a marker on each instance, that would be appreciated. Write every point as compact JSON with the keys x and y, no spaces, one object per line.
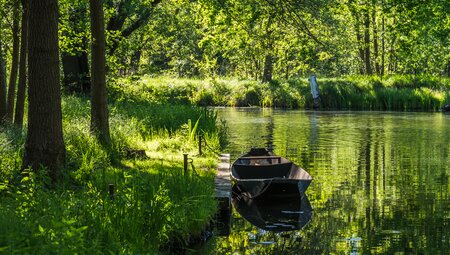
{"x":257,"y":68}
{"x":268,"y":68}
{"x":20,"y":102}
{"x":391,"y":65}
{"x":223,"y":65}
{"x":367,"y":41}
{"x":135,"y":60}
{"x":76,"y":72}
{"x":14,"y":63}
{"x":44,"y":146}
{"x":360,"y":45}
{"x":375,"y":41}
{"x":99,"y":107}
{"x":3,"y":109}
{"x":75,"y":60}
{"x":286,"y":71}
{"x":448,"y":68}
{"x":383,"y":46}
{"x":359,"y":40}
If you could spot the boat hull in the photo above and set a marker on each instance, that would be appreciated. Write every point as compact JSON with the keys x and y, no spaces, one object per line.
{"x":272,"y":188}
{"x":261,"y":173}
{"x":274,"y":214}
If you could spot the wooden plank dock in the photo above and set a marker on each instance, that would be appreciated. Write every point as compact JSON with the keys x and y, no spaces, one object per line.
{"x":222,"y":180}
{"x":222,"y":183}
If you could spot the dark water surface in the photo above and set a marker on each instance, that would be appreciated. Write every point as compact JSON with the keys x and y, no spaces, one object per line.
{"x":381,"y":181}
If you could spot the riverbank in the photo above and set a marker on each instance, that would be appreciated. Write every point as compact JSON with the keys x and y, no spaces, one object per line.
{"x":154,"y":203}
{"x":394,"y":93}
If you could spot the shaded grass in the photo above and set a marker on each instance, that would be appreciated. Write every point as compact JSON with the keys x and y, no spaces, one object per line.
{"x":11,"y":141}
{"x":154,"y":203}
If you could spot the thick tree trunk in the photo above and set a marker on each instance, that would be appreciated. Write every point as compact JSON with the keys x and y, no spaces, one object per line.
{"x":20,"y":102}
{"x":3,"y":109}
{"x":14,"y":64}
{"x":44,"y":146}
{"x":99,"y":107}
{"x":268,"y":68}
{"x":367,"y":42}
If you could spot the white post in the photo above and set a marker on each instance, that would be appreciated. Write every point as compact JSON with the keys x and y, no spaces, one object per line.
{"x":314,"y":90}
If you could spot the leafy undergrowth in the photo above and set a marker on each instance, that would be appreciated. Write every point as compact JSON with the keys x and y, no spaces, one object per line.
{"x":154,"y":202}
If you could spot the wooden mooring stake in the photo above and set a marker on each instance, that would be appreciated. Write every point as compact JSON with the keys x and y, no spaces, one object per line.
{"x":200,"y":138}
{"x":185,"y":163}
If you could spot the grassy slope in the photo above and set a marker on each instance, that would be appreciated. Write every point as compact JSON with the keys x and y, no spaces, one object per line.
{"x":356,"y":92}
{"x":154,"y":202}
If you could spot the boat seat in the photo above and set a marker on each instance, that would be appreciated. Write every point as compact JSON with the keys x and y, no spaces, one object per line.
{"x":281,"y":170}
{"x":259,"y":160}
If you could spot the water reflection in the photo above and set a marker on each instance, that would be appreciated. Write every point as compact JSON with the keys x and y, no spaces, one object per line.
{"x":274,"y":214}
{"x":381,"y":181}
{"x":269,"y":137}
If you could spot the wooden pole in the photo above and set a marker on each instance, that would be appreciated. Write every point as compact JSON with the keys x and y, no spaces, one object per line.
{"x":185,"y":160}
{"x":200,"y":137}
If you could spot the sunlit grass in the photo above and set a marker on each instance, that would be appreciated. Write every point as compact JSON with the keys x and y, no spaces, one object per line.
{"x":399,"y":93}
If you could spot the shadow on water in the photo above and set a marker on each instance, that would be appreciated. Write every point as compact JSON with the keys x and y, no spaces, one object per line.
{"x":277,"y":215}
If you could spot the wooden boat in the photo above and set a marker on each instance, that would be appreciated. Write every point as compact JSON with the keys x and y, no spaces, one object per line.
{"x":274,"y":214}
{"x":261,"y":173}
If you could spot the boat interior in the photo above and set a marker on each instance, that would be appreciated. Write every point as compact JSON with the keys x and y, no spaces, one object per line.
{"x":260,"y":163}
{"x":246,"y":170}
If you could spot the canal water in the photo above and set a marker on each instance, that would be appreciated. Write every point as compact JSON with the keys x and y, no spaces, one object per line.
{"x":381,"y":182}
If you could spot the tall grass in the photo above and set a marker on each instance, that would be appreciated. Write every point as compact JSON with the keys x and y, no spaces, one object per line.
{"x":400,"y":93}
{"x":154,"y":205}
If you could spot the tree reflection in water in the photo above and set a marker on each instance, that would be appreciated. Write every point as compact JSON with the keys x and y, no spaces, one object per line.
{"x":381,"y":181}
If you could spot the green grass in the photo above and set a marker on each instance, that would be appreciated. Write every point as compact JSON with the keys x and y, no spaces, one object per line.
{"x":155,"y":205}
{"x":398,"y":93}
